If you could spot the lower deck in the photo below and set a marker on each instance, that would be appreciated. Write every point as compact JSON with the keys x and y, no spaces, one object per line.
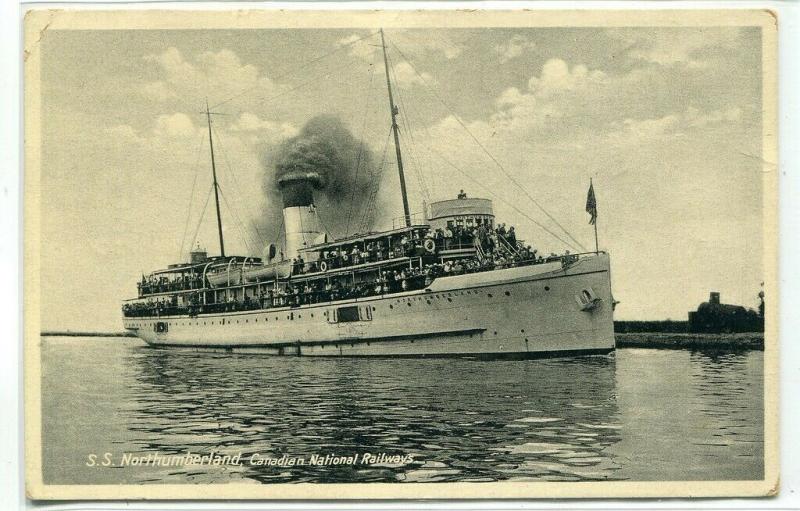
{"x":511,"y":311}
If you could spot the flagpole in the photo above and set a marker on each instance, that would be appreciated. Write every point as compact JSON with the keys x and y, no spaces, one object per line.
{"x":596,"y":247}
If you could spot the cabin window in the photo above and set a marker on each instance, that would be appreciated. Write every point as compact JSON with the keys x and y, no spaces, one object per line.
{"x":347,"y":314}
{"x":351,"y":314}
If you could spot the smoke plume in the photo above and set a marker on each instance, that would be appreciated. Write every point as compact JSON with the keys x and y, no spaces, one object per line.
{"x":341,"y":169}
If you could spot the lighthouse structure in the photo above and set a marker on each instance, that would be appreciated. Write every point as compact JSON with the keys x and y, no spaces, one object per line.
{"x":300,"y":221}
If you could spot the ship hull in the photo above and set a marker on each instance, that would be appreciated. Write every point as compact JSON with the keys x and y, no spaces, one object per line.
{"x":528,"y":311}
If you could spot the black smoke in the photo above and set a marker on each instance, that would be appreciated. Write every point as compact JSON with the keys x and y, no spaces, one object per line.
{"x":340,"y":168}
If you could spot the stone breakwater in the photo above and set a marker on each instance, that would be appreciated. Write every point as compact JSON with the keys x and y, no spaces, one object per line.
{"x":742,"y":341}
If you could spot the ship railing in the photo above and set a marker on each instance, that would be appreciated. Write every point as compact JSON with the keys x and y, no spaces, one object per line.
{"x":417,"y":218}
{"x":193,"y":284}
{"x":422,"y":276}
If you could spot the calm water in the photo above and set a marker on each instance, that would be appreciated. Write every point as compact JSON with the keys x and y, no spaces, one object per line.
{"x":637,"y":414}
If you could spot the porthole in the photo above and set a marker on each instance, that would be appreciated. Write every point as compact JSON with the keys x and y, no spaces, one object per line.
{"x":508,"y":293}
{"x":547,"y":288}
{"x":428,"y":301}
{"x":495,"y":333}
{"x":522,"y":331}
{"x":374,"y":309}
{"x":409,"y":304}
{"x":391,"y":306}
{"x":312,"y":314}
{"x":449,"y":299}
{"x":489,"y":295}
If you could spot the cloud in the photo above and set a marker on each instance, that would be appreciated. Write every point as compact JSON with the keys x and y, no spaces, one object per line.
{"x":690,"y":47}
{"x":513,"y":48}
{"x":361,"y":49}
{"x":262,"y":131}
{"x":158,"y":91}
{"x":404,"y":74}
{"x":217,"y":75}
{"x":558,"y":91}
{"x":177,"y":125}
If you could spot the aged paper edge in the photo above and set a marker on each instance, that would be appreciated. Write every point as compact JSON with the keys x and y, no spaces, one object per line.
{"x":38,"y":21}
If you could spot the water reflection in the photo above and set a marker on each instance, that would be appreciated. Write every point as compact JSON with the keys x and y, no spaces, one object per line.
{"x":637,"y":414}
{"x":461,"y":419}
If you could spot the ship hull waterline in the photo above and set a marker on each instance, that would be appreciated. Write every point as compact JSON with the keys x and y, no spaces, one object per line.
{"x":520,"y":312}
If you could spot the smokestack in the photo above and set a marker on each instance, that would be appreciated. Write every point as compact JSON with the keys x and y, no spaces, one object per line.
{"x":300,"y":222}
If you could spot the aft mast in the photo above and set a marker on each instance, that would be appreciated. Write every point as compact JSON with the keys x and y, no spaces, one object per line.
{"x":393,"y":109}
{"x":216,"y":185}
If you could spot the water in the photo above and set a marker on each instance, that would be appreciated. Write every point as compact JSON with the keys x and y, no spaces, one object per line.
{"x":637,"y":414}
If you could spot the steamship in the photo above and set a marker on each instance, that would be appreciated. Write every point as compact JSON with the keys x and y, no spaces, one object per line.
{"x":414,"y":290}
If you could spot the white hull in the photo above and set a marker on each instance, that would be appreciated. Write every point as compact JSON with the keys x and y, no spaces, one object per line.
{"x":522,"y":311}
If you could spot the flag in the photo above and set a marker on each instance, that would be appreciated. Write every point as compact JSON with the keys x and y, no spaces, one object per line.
{"x":591,"y":205}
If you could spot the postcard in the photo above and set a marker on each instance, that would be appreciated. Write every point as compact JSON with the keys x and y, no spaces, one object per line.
{"x":444,"y":254}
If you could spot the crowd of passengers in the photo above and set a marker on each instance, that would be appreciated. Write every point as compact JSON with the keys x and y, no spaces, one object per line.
{"x":492,"y":241}
{"x":315,"y":291}
{"x":499,"y":245}
{"x":163,"y":284}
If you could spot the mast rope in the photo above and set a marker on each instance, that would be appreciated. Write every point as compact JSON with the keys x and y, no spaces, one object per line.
{"x":202,"y":214}
{"x":239,"y":223}
{"x":501,"y":199}
{"x":486,"y":151}
{"x":361,"y":145}
{"x":191,"y":196}
{"x":406,"y":121}
{"x":299,"y":68}
{"x":258,"y":239}
{"x":376,"y":175}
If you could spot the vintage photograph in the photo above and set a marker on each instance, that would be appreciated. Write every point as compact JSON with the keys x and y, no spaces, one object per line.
{"x":400,"y":254}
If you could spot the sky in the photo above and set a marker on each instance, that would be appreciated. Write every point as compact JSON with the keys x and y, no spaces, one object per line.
{"x":665,"y":121}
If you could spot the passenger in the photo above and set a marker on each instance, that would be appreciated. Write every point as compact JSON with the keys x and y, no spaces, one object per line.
{"x":448,"y":237}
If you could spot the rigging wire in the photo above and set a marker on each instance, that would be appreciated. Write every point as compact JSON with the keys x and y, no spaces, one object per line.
{"x":486,"y":151}
{"x":376,"y":175}
{"x":202,"y":214}
{"x":299,"y":68}
{"x":489,"y":190}
{"x":239,"y":224}
{"x":361,"y":146}
{"x":235,"y":180}
{"x":406,"y":121}
{"x":195,"y":167}
{"x":298,"y":86}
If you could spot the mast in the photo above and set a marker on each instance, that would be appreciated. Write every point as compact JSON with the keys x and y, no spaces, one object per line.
{"x":216,"y":185}
{"x":393,"y":109}
{"x":596,"y":246}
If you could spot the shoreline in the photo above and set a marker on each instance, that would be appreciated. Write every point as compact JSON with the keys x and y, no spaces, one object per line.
{"x":664,"y":340}
{"x":656,"y":340}
{"x":55,"y":333}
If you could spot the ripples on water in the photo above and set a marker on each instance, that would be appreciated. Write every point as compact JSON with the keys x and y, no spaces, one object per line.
{"x":636,"y":414}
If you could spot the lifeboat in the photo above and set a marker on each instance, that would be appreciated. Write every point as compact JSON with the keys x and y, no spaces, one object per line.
{"x":234,"y":275}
